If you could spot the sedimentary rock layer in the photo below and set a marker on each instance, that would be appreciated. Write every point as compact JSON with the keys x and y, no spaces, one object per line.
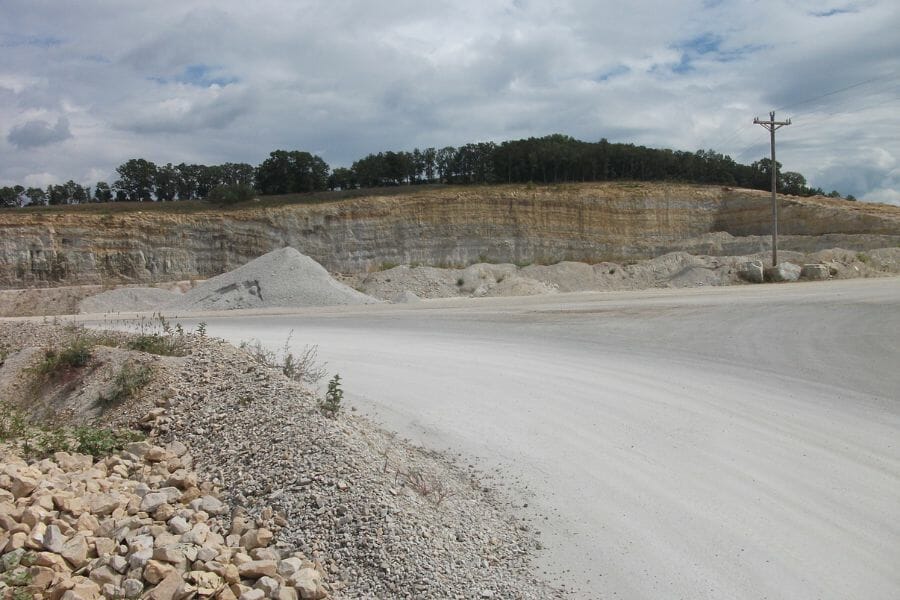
{"x":434,"y":226}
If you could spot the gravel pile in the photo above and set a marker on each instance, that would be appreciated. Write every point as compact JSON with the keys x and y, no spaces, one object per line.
{"x":132,"y":299}
{"x":283,"y":278}
{"x":377,"y":517}
{"x":136,"y":524}
{"x":384,"y":519}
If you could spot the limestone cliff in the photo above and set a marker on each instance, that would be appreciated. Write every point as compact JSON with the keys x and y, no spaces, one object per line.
{"x":435,"y":226}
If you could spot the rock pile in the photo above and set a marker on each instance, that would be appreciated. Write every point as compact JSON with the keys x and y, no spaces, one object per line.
{"x":138,"y":524}
{"x":384,"y":520}
{"x":334,"y":502}
{"x":283,"y":278}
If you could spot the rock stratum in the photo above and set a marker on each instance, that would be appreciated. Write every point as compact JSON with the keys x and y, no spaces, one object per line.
{"x":438,"y":226}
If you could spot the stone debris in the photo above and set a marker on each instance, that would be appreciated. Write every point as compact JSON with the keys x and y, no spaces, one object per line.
{"x":244,"y":487}
{"x":131,"y":299}
{"x":113,"y":547}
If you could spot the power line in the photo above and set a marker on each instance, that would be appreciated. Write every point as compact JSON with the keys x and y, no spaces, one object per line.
{"x":838,"y":91}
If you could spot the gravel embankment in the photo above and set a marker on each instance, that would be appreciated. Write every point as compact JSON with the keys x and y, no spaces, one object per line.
{"x":382,"y":518}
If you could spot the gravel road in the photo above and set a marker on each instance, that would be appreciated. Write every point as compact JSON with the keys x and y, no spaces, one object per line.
{"x":739,"y":442}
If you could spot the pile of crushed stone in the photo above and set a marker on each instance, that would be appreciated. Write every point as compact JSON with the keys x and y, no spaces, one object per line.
{"x":673,"y":270}
{"x":375,"y":516}
{"x":127,"y":298}
{"x":282,"y":278}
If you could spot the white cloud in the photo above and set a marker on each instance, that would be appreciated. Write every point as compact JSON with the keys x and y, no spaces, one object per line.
{"x":228,"y":80}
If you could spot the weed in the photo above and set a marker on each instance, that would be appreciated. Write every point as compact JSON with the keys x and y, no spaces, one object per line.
{"x":73,"y":356}
{"x":331,"y":404}
{"x":98,"y":441}
{"x":154,"y":343}
{"x":387,"y":265}
{"x":460,"y":282}
{"x":13,"y":423}
{"x":130,"y":379}
{"x":427,"y":486}
{"x":201,"y":329}
{"x":863,"y":258}
{"x":304,"y":367}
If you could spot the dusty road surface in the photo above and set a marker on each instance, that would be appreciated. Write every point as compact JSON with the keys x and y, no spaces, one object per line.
{"x":737,"y":442}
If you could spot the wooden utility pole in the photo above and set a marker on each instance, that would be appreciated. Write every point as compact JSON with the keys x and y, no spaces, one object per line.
{"x":772,"y":125}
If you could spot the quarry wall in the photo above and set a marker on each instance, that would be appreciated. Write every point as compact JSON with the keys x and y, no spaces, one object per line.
{"x":437,"y":226}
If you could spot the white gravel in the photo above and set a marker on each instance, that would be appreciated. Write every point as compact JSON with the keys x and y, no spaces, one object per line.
{"x":283,"y":278}
{"x":724,"y":442}
{"x":127,"y":299}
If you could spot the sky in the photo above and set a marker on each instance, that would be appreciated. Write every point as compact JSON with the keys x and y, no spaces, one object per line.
{"x":87,"y":85}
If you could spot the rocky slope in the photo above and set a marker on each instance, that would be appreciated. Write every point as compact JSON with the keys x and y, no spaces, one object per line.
{"x":240,"y":459}
{"x":433,"y":226}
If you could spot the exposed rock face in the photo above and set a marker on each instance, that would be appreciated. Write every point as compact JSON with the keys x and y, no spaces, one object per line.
{"x":453,"y":225}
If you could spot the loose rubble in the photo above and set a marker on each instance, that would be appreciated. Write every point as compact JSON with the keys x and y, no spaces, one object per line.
{"x":137,"y":524}
{"x":245,"y":489}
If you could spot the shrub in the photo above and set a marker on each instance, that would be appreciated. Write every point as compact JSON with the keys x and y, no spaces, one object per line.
{"x":13,"y":423}
{"x":154,"y":343}
{"x":98,"y":441}
{"x":304,"y":367}
{"x":331,"y":404}
{"x":75,"y":355}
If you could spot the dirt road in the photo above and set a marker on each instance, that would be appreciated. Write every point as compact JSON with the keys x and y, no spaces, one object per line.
{"x":738,"y":442}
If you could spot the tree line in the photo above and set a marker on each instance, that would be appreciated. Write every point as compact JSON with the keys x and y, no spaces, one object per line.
{"x":551,"y":159}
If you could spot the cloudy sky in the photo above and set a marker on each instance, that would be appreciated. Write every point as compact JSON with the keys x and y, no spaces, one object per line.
{"x":86,"y":85}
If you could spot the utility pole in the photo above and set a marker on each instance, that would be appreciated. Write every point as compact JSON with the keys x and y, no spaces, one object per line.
{"x":772,"y":125}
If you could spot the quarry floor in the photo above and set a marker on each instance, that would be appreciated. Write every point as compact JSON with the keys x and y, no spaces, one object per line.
{"x":729,"y":442}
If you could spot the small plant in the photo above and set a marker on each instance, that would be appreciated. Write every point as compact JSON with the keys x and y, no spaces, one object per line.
{"x":387,"y":265}
{"x":863,"y":258}
{"x":13,"y":423}
{"x":154,"y":343}
{"x":304,"y":367}
{"x":460,"y":282}
{"x":201,"y":329}
{"x":73,"y":356}
{"x":331,"y":404}
{"x":130,"y":379}
{"x":98,"y":441}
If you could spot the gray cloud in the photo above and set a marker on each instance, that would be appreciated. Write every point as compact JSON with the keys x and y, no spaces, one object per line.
{"x":343,"y":79}
{"x":215,"y":107}
{"x":36,"y":133}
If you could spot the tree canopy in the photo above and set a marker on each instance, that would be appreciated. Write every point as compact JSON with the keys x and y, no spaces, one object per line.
{"x":550,"y":159}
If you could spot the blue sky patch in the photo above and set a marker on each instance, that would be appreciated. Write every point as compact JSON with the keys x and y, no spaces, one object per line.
{"x":203,"y":76}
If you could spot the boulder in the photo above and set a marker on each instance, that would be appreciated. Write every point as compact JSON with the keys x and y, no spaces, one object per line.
{"x":814,"y":272}
{"x":782,"y":272}
{"x":751,"y":271}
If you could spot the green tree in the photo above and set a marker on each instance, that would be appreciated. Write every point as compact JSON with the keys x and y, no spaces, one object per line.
{"x":10,"y":196}
{"x":287,"y":172}
{"x":342,"y":178}
{"x":102,"y":192}
{"x":165,"y":182}
{"x":137,"y":179}
{"x":36,"y":196}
